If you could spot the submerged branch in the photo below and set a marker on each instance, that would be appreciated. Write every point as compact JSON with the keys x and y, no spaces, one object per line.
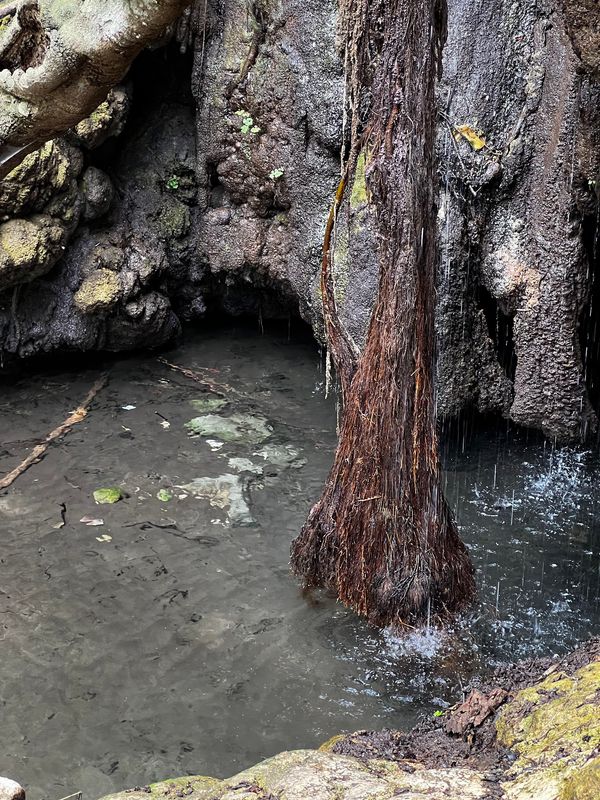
{"x":39,"y":451}
{"x":197,"y":376}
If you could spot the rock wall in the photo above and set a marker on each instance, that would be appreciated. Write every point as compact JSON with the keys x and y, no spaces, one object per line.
{"x":214,"y":195}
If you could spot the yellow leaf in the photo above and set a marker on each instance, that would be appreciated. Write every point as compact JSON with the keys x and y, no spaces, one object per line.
{"x":476,"y":141}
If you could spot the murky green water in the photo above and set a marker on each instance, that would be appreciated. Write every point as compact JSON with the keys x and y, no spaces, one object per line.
{"x":172,"y":639}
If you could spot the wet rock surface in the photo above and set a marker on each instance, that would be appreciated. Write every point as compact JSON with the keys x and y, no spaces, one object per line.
{"x":10,"y":790}
{"x":216,"y":196}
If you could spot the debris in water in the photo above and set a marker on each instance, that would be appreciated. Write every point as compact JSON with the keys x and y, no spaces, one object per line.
{"x":474,"y":711}
{"x":164,"y":495}
{"x":128,"y":408}
{"x":200,"y":377}
{"x":39,"y":451}
{"x":104,"y":538}
{"x":92,"y":522}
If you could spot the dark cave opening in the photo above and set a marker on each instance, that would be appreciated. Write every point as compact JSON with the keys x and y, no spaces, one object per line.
{"x":248,"y":295}
{"x":159,"y":78}
{"x":500,"y":328}
{"x":589,"y":321}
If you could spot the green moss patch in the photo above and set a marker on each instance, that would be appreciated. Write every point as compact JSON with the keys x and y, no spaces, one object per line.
{"x":109,"y":495}
{"x":554,"y":728}
{"x":359,"y":195}
{"x":99,"y":292}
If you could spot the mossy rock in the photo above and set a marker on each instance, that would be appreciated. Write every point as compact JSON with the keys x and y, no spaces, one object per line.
{"x":192,"y":787}
{"x":312,"y":775}
{"x":359,"y":195}
{"x":554,"y":729}
{"x":107,"y":120}
{"x":328,"y":746}
{"x":28,"y":248}
{"x":41,"y":175}
{"x":174,"y":220}
{"x":98,"y":292}
{"x":108,"y":496}
{"x":584,"y":784}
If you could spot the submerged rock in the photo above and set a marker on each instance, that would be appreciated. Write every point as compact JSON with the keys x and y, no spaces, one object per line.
{"x":207,"y":403}
{"x":244,"y":465}
{"x":108,"y":495}
{"x":225,"y":492}
{"x":282,"y":455}
{"x":244,"y":428}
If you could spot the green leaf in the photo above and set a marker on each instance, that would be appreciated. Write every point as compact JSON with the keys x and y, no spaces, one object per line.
{"x":275,"y":174}
{"x":438,"y":713}
{"x":255,"y":129}
{"x":164,"y":495}
{"x":112,"y":494}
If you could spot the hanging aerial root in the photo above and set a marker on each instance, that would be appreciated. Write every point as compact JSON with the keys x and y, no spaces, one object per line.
{"x":382,"y":536}
{"x":344,"y":353}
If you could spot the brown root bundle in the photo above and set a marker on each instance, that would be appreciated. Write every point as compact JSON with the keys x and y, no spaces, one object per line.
{"x":382,"y":536}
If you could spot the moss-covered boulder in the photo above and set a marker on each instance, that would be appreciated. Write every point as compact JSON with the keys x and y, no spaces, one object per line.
{"x":98,"y":292}
{"x":304,"y":774}
{"x":29,"y":248}
{"x":554,"y":729}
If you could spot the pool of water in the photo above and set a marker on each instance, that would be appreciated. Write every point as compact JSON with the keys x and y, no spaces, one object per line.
{"x":172,"y":639}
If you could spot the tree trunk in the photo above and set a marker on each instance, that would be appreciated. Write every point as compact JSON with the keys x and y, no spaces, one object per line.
{"x":382,"y":535}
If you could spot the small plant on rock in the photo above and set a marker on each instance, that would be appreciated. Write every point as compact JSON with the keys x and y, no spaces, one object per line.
{"x":248,"y":125}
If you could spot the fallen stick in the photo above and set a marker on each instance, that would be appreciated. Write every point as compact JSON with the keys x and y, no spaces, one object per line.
{"x":39,"y":450}
{"x":198,"y":377}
